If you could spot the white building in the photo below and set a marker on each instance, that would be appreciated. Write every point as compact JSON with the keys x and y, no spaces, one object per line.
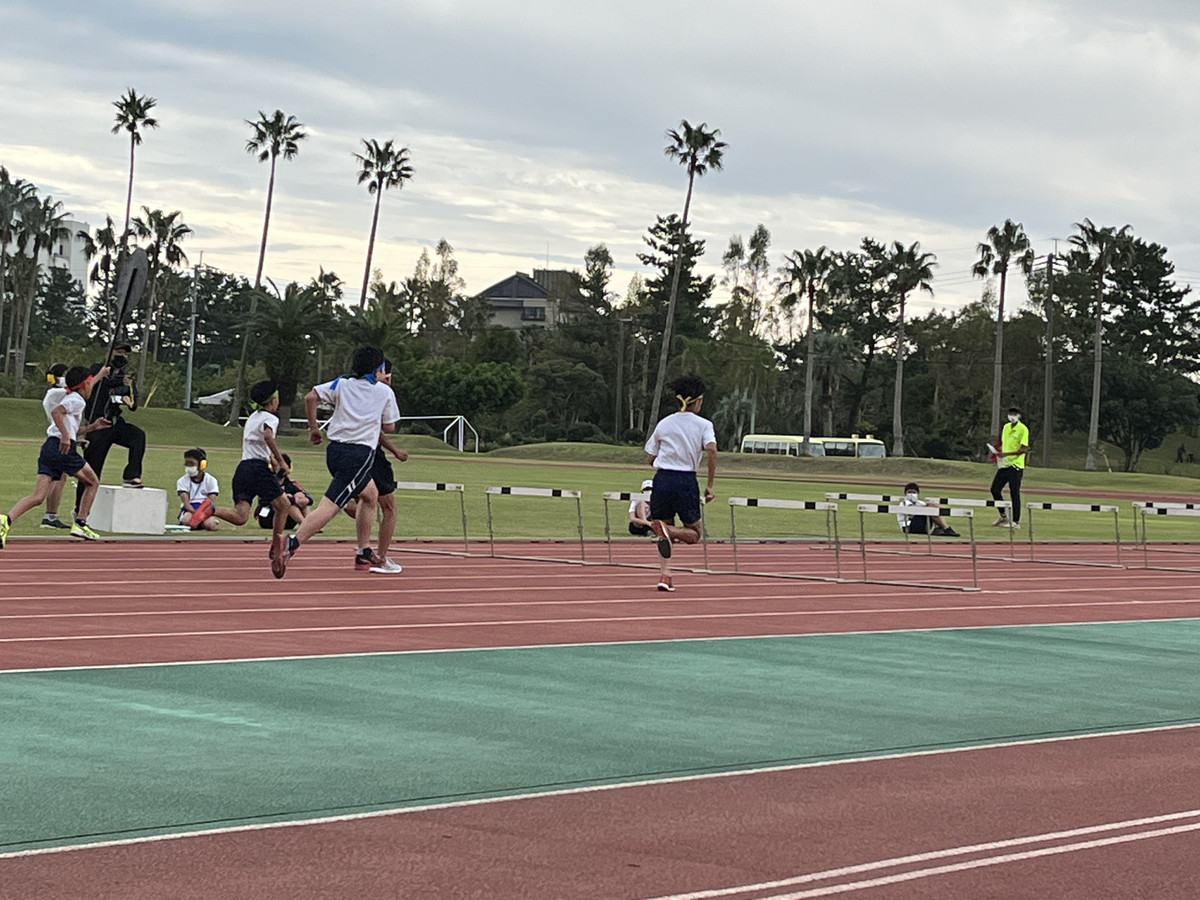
{"x":69,"y":254}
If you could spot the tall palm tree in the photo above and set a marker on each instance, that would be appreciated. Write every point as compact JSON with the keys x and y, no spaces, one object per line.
{"x":1004,"y":244}
{"x":164,"y":231}
{"x":274,"y":136}
{"x":15,"y":196}
{"x":1106,"y":249}
{"x":698,"y":150}
{"x":808,"y":274}
{"x":908,"y":270}
{"x":381,"y":166}
{"x":133,"y":115}
{"x":42,"y":225}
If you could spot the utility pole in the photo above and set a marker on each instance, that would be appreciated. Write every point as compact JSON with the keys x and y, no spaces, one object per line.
{"x":1048,"y":397}
{"x":187,"y":388}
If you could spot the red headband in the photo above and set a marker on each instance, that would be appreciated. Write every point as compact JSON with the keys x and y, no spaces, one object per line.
{"x":75,"y":387}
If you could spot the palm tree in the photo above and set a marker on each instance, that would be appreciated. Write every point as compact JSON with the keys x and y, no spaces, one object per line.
{"x":908,"y":269}
{"x":164,"y":231}
{"x":382,"y":166}
{"x":289,"y":327}
{"x":133,"y":114}
{"x":699,"y":150}
{"x":808,"y":274}
{"x":15,"y":197}
{"x":104,"y":242}
{"x":274,"y":136}
{"x":1105,"y":249}
{"x":41,"y":223}
{"x":1004,"y":244}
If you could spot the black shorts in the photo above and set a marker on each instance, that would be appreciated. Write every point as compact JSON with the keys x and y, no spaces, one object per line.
{"x":254,"y":478}
{"x":54,"y":463}
{"x":917,"y":525}
{"x":350,"y":466}
{"x":675,"y":493}
{"x":637,"y":528}
{"x":382,"y":473}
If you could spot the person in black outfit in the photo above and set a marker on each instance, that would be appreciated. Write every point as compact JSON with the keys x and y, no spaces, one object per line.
{"x":114,"y":394}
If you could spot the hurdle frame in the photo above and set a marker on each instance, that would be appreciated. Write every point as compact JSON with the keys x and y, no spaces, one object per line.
{"x":929,"y":511}
{"x":535,"y":492}
{"x":1077,"y":507}
{"x":1190,"y":510}
{"x":1140,"y":505}
{"x":830,"y":509}
{"x":969,"y":502}
{"x":443,"y":486}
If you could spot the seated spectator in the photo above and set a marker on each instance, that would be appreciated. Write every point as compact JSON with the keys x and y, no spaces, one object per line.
{"x":197,"y":490}
{"x":920,"y":524}
{"x":639,"y":512}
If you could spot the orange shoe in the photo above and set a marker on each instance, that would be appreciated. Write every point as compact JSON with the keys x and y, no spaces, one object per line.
{"x":664,"y":584}
{"x":202,"y":512}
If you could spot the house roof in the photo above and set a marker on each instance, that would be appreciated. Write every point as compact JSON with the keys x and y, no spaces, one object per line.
{"x":517,"y":286}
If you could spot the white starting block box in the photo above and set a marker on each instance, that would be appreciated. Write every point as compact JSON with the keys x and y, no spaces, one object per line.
{"x":124,"y":510}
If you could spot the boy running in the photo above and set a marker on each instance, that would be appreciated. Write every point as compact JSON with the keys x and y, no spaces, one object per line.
{"x":385,"y":483}
{"x":254,"y":476}
{"x":363,"y":406}
{"x":56,"y":378}
{"x":675,"y":449}
{"x":59,"y":457}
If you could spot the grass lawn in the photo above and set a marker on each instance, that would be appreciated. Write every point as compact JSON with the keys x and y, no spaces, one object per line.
{"x":594,"y":468}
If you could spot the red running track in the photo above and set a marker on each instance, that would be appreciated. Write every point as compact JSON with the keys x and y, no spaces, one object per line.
{"x":1103,"y":816}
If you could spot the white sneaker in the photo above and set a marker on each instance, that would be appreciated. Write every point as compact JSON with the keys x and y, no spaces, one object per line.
{"x":1001,"y":522}
{"x":1007,"y":524}
{"x":388,"y":567}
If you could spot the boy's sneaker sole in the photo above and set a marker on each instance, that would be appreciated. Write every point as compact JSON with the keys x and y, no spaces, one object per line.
{"x":82,"y":531}
{"x":388,"y":568}
{"x":666,"y":586}
{"x":279,"y":556}
{"x":55,"y":523}
{"x":202,"y":512}
{"x":661,"y":538}
{"x":5,"y":525}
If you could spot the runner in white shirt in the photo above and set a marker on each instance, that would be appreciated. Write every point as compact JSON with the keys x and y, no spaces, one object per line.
{"x":362,"y":408}
{"x":54,"y":394}
{"x":59,"y":457}
{"x":676,"y":447}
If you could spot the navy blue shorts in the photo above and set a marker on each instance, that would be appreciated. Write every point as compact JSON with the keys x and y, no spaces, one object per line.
{"x":675,"y":493}
{"x":382,"y":473}
{"x":54,"y":463}
{"x":350,"y":466}
{"x":254,"y":478}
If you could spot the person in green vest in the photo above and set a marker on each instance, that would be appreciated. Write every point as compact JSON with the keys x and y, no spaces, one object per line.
{"x":1010,"y":467}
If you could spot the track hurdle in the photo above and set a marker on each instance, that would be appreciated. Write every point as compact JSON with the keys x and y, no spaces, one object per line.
{"x":1076,"y":507}
{"x":831,"y":529}
{"x":609,"y":496}
{"x":945,"y":512}
{"x":1189,"y":510}
{"x":534,"y":492}
{"x":442,"y":486}
{"x":966,"y":502}
{"x":1139,"y":505}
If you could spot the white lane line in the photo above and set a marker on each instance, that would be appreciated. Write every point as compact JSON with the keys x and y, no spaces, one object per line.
{"x":585,"y":620}
{"x":593,"y":789}
{"x":985,"y":862}
{"x":929,"y":856}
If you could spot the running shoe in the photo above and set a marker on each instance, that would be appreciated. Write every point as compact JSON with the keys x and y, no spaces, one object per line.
{"x":365,"y":559}
{"x":279,"y":556}
{"x":662,"y":538}
{"x":202,"y":512}
{"x":664,"y":584}
{"x":81,"y":530}
{"x":950,"y":532}
{"x":133,"y":483}
{"x":1000,"y":523}
{"x":292,"y":546}
{"x":5,"y":524}
{"x":54,"y":522}
{"x":388,"y":567}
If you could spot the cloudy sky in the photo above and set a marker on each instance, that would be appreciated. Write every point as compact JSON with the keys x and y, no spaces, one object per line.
{"x":536,"y":129}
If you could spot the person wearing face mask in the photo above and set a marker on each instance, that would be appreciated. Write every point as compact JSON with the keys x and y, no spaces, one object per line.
{"x":920,"y":524}
{"x":1010,"y":462}
{"x":114,"y":395}
{"x":197,"y":490}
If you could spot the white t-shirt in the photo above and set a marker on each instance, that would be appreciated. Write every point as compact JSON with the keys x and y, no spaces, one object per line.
{"x":359,"y":408}
{"x":904,"y":501}
{"x":197,"y":490}
{"x":53,"y":397}
{"x":679,"y":440}
{"x":74,"y":405}
{"x":638,"y":498}
{"x":254,"y":445}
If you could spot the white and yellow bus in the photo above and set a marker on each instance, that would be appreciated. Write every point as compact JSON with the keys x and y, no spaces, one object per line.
{"x":854,"y":447}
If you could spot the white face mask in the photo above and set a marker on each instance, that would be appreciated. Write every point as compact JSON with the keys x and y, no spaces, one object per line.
{"x":193,"y":471}
{"x":1013,"y":419}
{"x":911,"y":497}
